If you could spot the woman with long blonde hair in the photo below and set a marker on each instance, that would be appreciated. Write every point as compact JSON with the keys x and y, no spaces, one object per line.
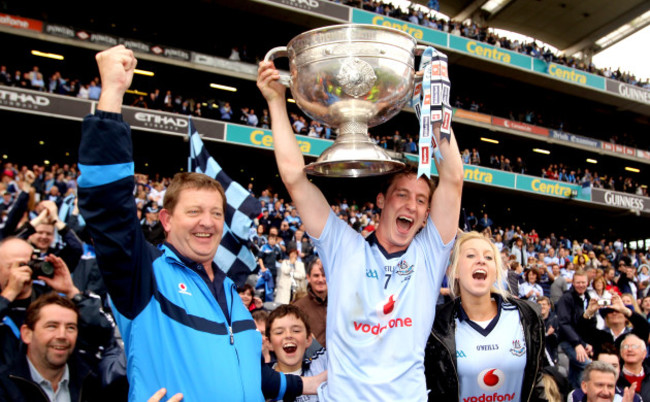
{"x":484,"y":341}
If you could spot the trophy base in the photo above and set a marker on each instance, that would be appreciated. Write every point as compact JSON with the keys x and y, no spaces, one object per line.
{"x":353,"y":168}
{"x":354,"y":155}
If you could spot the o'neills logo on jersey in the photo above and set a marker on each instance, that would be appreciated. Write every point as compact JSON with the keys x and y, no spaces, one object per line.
{"x":378,"y":328}
{"x":23,"y":100}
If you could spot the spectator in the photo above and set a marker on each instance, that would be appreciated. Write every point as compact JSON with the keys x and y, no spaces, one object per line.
{"x":18,"y":291}
{"x":314,"y":304}
{"x":635,"y":371}
{"x":475,"y":158}
{"x":570,"y":308}
{"x":519,"y":251}
{"x":303,"y":245}
{"x":271,"y":253}
{"x":144,"y":280}
{"x":51,"y":369}
{"x":551,"y":324}
{"x":530,"y":289}
{"x":40,"y":233}
{"x":291,"y":278}
{"x":607,"y":354}
{"x":5,"y":77}
{"x":559,"y":285}
{"x":293,"y":219}
{"x":285,"y":232}
{"x":247,"y":295}
{"x":94,"y":90}
{"x":289,"y":336}
{"x":599,"y":383}
{"x":616,"y":317}
{"x":152,"y":228}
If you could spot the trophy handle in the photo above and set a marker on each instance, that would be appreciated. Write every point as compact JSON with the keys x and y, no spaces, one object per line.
{"x":280,"y":51}
{"x":419,"y":50}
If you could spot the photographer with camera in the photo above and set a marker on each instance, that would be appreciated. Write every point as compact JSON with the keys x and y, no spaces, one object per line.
{"x":18,"y":288}
{"x":40,"y":233}
{"x":616,"y":315}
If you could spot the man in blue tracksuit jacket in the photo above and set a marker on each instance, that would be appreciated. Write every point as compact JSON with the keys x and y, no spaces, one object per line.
{"x":183,"y":324}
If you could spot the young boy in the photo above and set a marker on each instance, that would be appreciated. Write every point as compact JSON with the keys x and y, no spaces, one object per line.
{"x":289,"y":335}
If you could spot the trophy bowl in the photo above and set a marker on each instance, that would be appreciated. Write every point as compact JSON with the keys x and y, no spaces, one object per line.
{"x":351,"y":77}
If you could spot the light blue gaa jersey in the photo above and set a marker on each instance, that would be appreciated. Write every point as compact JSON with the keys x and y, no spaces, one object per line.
{"x":380,"y":312}
{"x":491,"y":361}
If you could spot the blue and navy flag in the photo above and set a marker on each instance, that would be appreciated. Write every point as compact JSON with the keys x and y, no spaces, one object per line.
{"x":234,"y":257}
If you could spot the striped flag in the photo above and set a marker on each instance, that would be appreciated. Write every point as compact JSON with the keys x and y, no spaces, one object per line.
{"x":234,"y":257}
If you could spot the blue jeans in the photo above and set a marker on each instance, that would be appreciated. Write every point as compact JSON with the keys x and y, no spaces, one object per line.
{"x":575,"y":367}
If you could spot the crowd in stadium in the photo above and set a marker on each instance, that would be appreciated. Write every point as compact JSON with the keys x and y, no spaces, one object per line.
{"x":472,"y":30}
{"x":109,"y":275}
{"x":242,"y":114}
{"x":41,"y":208}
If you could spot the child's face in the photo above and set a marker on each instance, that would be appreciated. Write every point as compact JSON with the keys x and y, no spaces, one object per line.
{"x":289,"y":340}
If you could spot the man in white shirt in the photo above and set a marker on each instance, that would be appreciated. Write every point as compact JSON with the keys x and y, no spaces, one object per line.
{"x":382,"y":289}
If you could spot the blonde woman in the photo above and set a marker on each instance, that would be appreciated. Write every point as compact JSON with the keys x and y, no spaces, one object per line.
{"x":483,"y":342}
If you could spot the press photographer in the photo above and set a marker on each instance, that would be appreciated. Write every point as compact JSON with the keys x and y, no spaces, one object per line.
{"x":20,"y":284}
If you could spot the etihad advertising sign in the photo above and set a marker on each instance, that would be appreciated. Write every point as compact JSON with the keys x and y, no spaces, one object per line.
{"x":35,"y":102}
{"x":170,"y":123}
{"x":620,"y":200}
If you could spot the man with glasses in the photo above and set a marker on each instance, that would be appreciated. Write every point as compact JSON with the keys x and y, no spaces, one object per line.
{"x":634,"y":371}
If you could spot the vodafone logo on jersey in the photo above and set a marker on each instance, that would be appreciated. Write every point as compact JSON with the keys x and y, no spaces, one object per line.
{"x":490,"y":380}
{"x":385,"y":310}
{"x":386,"y":307}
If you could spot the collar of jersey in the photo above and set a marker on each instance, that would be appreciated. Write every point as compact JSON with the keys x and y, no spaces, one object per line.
{"x":462,"y":316}
{"x":372,"y":240}
{"x":171,"y":252}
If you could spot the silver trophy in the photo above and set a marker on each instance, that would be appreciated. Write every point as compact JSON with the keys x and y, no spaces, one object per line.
{"x":351,"y":77}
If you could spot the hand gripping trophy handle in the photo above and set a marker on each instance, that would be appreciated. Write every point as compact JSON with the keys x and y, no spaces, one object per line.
{"x":280,"y":51}
{"x":419,"y":50}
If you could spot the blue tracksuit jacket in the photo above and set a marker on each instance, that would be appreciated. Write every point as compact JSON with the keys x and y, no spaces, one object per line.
{"x":175,"y":332}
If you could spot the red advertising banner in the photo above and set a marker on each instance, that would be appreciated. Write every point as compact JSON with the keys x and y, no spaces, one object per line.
{"x":619,"y":148}
{"x":527,"y":128}
{"x":479,"y":117}
{"x":21,"y":23}
{"x":630,"y":151}
{"x":608,"y":146}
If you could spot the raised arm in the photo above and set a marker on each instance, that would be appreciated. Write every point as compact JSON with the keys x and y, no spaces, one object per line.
{"x":312,"y":205}
{"x":106,"y":190}
{"x":445,"y":203}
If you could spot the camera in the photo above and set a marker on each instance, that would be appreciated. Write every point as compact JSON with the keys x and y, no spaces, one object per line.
{"x":604,"y":302}
{"x":40,"y":267}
